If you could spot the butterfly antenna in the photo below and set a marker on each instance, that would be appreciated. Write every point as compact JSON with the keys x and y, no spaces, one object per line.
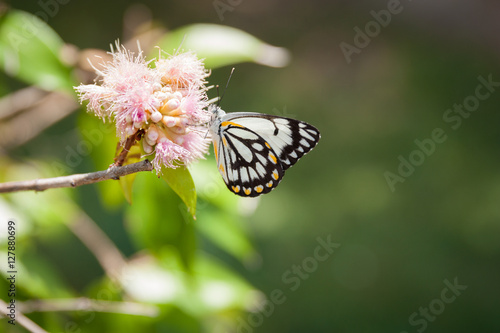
{"x":218,"y":99}
{"x":180,"y":46}
{"x":227,"y":85}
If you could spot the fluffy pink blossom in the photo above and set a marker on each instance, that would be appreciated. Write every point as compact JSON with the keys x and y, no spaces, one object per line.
{"x":168,"y":101}
{"x":183,"y":70}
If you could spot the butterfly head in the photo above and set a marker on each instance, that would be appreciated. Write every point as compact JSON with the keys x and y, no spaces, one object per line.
{"x":216,"y":114}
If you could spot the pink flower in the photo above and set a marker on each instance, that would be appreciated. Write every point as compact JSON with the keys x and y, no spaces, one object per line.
{"x":167,"y":101}
{"x":183,"y":70}
{"x":167,"y":152}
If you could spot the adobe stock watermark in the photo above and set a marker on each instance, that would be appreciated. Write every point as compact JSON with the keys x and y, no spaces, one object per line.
{"x":428,"y":314}
{"x":453,"y":117}
{"x":292,"y":278}
{"x":223,"y":6}
{"x":31,"y":26}
{"x":362,"y":38}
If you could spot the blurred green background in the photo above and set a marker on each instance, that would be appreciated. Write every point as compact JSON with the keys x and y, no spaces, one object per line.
{"x":398,"y":247}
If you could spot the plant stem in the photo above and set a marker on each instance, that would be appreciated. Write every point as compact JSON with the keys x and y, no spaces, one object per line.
{"x":113,"y":172}
{"x":120,"y":159}
{"x":86,"y":304}
{"x":21,"y":319}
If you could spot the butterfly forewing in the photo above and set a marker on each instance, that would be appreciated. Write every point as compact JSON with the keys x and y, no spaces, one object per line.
{"x":253,"y":150}
{"x":290,"y":139}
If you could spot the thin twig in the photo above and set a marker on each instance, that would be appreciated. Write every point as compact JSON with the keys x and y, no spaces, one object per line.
{"x":112,"y":172}
{"x":86,"y":304}
{"x":120,"y":159}
{"x":21,"y":319}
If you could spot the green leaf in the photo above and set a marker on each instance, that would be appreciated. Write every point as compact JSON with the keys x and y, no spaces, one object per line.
{"x":214,"y":279}
{"x":222,"y":45}
{"x":221,"y":213}
{"x":158,"y":220}
{"x":214,"y":288}
{"x":126,"y":182}
{"x":180,"y":180}
{"x":29,"y":51}
{"x":224,"y":230}
{"x":211,"y":187}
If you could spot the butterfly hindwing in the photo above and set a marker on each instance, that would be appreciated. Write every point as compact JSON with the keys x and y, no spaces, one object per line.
{"x":253,"y":150}
{"x":251,"y":166}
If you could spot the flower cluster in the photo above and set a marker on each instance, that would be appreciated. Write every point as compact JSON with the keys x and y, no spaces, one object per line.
{"x":168,"y":101}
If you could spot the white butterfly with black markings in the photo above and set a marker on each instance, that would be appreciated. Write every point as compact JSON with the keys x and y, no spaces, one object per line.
{"x":253,"y":150}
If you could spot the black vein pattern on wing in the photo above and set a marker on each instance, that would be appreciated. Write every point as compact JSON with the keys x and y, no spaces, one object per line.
{"x":301,"y":144}
{"x":290,"y":152}
{"x":239,"y":163}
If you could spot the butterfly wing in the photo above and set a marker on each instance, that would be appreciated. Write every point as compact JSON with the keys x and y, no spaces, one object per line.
{"x":247,"y":163}
{"x":253,"y":150}
{"x":289,"y":138}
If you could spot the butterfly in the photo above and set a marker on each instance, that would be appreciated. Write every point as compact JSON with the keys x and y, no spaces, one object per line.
{"x":253,"y":150}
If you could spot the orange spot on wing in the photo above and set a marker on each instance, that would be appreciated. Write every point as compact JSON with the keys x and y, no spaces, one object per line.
{"x":221,"y":168}
{"x":267,"y":145}
{"x":224,"y":142}
{"x":227,"y":123}
{"x":270,"y":184}
{"x":235,"y":189}
{"x":247,"y":191}
{"x":273,"y":158}
{"x":275,"y":175}
{"x":259,"y":188}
